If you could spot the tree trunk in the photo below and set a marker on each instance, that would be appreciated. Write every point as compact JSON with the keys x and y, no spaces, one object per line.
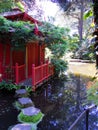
{"x":81,"y":21}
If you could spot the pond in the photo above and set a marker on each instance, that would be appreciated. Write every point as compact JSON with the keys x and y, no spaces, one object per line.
{"x":61,"y":102}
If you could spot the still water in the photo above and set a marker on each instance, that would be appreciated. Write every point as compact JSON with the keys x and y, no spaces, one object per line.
{"x":61,"y":102}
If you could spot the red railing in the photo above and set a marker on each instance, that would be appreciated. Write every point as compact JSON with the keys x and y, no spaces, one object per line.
{"x":19,"y":73}
{"x":7,"y":73}
{"x":14,"y":74}
{"x":0,"y":72}
{"x":41,"y":73}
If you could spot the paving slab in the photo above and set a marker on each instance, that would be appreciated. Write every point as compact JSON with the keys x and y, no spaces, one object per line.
{"x":21,"y":92}
{"x":30,"y":111}
{"x":25,"y":102}
{"x":22,"y":127}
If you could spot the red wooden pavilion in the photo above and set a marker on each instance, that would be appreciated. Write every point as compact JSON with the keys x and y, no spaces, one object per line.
{"x":22,"y":64}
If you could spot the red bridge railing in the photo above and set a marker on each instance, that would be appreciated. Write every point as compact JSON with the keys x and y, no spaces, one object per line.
{"x":14,"y":74}
{"x":7,"y":73}
{"x":19,"y":73}
{"x":41,"y":73}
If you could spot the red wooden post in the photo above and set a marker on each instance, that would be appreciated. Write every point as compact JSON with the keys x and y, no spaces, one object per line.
{"x":47,"y":69}
{"x":0,"y":72}
{"x":41,"y":71}
{"x":17,"y":73}
{"x":33,"y":74}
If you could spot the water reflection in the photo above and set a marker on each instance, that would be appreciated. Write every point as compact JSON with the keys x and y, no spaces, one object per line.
{"x":61,"y":102}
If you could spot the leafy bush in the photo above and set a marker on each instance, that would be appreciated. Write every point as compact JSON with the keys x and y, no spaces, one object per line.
{"x":92,"y":93}
{"x":60,"y":66}
{"x":8,"y":86}
{"x":22,"y":32}
{"x":6,"y":5}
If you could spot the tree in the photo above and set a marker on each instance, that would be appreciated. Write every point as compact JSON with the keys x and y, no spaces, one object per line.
{"x":6,"y":5}
{"x":76,"y":10}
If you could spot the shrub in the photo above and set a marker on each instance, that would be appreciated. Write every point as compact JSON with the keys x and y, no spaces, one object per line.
{"x":92,"y":93}
{"x":60,"y":66}
{"x":8,"y":86}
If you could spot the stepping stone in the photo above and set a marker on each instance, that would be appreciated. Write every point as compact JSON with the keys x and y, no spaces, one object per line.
{"x":22,"y":127}
{"x":21,"y":92}
{"x":30,"y":111}
{"x":25,"y":102}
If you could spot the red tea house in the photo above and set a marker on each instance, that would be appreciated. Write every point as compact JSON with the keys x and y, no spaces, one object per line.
{"x":18,"y":65}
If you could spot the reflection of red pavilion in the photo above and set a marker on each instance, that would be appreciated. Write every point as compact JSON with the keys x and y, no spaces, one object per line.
{"x":19,"y":65}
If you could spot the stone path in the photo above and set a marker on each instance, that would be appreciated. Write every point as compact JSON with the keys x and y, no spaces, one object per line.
{"x":25,"y":102}
{"x":28,"y":111}
{"x":21,"y":93}
{"x":22,"y":127}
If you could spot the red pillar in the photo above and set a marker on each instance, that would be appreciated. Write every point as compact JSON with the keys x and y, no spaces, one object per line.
{"x":0,"y":72}
{"x":33,"y":77}
{"x":41,"y":71}
{"x":17,"y":73}
{"x":33,"y":74}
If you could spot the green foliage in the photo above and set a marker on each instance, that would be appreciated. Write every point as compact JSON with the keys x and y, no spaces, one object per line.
{"x":87,"y":14}
{"x":60,"y":66}
{"x":28,"y":89}
{"x":21,"y":32}
{"x":20,"y":6}
{"x":7,"y":86}
{"x":6,"y":5}
{"x":4,"y":25}
{"x":92,"y":93}
{"x":30,"y":119}
{"x":57,"y":41}
{"x":74,"y":44}
{"x":54,"y":34}
{"x":58,"y":50}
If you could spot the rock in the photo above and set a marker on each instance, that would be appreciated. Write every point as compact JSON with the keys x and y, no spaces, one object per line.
{"x":22,"y":127}
{"x":25,"y":102}
{"x":30,"y":111}
{"x":21,"y":93}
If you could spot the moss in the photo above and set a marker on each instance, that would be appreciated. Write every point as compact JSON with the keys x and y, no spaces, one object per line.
{"x":92,"y":93}
{"x":30,"y":119}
